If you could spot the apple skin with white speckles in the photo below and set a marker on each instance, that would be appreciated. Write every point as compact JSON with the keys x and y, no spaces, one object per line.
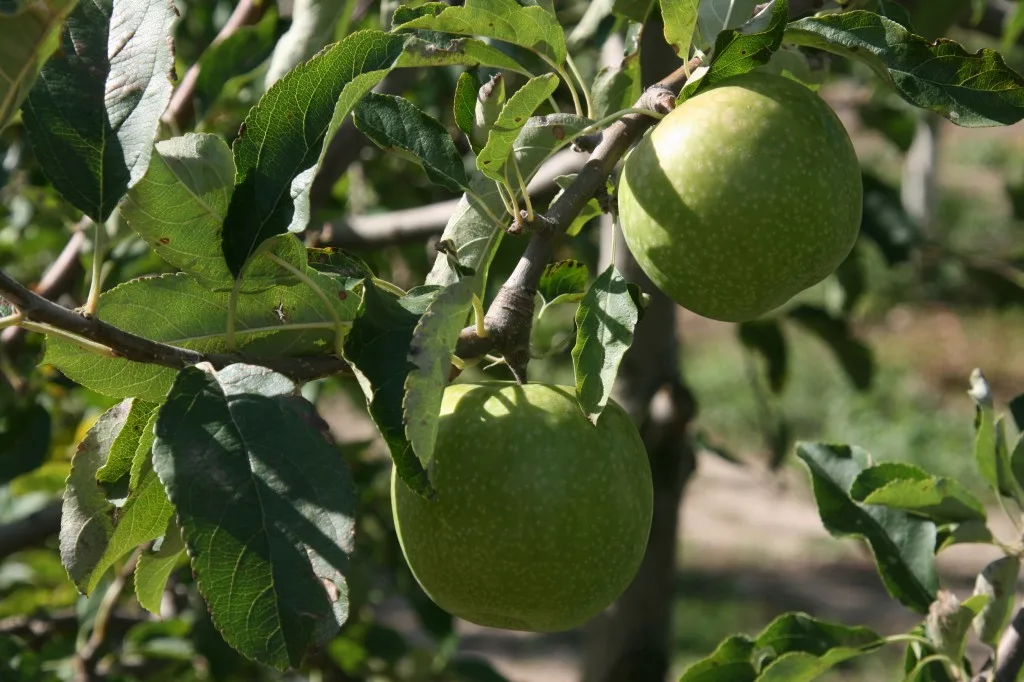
{"x":742,"y":197}
{"x":541,"y":518}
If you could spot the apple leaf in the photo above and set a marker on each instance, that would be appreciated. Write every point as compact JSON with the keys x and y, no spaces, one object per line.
{"x":903,"y":544}
{"x":25,"y":435}
{"x":269,"y":533}
{"x":591,"y":209}
{"x":1016,"y":406}
{"x":95,"y":533}
{"x":854,"y":356}
{"x":765,"y":337}
{"x":920,"y":664}
{"x":605,"y":321}
{"x":795,"y":647}
{"x":965,"y":533}
{"x":618,"y":87}
{"x":122,"y":451}
{"x":395,"y":123}
{"x":990,"y":447}
{"x":465,"y":51}
{"x":904,"y":486}
{"x":464,"y":104}
{"x":280,"y":144}
{"x":532,"y":28}
{"x":970,"y":90}
{"x":377,"y":348}
{"x":634,"y":10}
{"x":92,"y":114}
{"x":885,"y":221}
{"x":997,"y":581}
{"x":737,"y":52}
{"x":680,"y":19}
{"x":236,"y":55}
{"x":179,"y":205}
{"x":433,"y":342}
{"x":476,"y":227}
{"x":30,"y":37}
{"x":716,"y":16}
{"x":564,"y":281}
{"x":176,"y":309}
{"x":86,"y":516}
{"x":514,"y":115}
{"x":155,"y":567}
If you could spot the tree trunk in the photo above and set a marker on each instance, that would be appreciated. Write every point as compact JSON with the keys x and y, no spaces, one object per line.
{"x":631,"y":641}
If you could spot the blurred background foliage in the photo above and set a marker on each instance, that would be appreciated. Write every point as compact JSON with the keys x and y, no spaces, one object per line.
{"x":933,"y":289}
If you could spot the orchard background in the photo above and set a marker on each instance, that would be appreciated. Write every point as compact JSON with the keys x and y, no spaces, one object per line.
{"x":881,"y":355}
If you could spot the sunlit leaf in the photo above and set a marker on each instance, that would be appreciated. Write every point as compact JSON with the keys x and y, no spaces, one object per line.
{"x":491,"y":161}
{"x":605,"y":320}
{"x":969,"y":89}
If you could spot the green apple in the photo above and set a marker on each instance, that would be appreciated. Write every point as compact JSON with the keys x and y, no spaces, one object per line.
{"x":742,"y":197}
{"x":540,"y":519}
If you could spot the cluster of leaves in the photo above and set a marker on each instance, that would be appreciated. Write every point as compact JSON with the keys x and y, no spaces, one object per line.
{"x":200,"y":464}
{"x":906,"y":516}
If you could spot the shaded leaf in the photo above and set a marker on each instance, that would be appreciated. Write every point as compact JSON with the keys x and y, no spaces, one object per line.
{"x":176,"y":309}
{"x":605,"y":320}
{"x":532,"y":28}
{"x":634,"y":10}
{"x":618,"y":87}
{"x":513,"y":117}
{"x":591,"y":209}
{"x":731,"y":661}
{"x":904,"y":486}
{"x":24,"y":440}
{"x":997,"y":581}
{"x":886,"y":222}
{"x":1016,"y":406}
{"x":968,"y":532}
{"x":680,"y":19}
{"x":394,"y":122}
{"x":312,"y":27}
{"x":917,"y":652}
{"x":282,"y":526}
{"x":902,"y":544}
{"x":476,"y":227}
{"x":155,"y":567}
{"x":852,"y":277}
{"x":239,"y":53}
{"x":93,"y":113}
{"x":30,"y":37}
{"x":854,"y":356}
{"x":968,"y":89}
{"x":430,"y":351}
{"x":1004,"y":285}
{"x":334,"y":261}
{"x":377,"y":348}
{"x":948,"y":624}
{"x":765,"y":338}
{"x":86,"y":523}
{"x":279,"y":146}
{"x":794,"y":647}
{"x":564,"y":281}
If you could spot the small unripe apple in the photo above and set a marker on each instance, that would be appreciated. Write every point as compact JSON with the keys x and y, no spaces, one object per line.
{"x":540,"y":518}
{"x":742,"y":197}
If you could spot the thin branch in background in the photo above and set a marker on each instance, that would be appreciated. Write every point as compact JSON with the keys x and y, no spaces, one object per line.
{"x":181,"y":108}
{"x":87,"y":656}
